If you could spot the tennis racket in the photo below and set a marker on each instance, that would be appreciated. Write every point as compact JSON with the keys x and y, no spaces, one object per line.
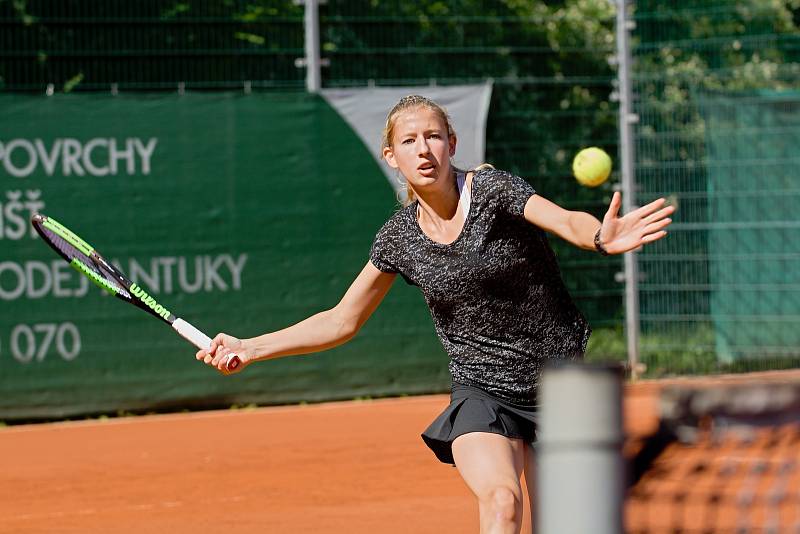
{"x":85,"y":259}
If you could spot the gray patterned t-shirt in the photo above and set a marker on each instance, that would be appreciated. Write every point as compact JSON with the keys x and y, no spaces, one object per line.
{"x":496,"y":296}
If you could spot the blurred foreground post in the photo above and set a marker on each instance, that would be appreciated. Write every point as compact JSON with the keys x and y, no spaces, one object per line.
{"x":580,"y":471}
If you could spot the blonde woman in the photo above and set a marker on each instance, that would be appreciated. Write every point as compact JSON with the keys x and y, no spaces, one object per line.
{"x":474,"y":243}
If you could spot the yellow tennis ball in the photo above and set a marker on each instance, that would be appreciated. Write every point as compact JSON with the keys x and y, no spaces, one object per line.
{"x":591,"y":166}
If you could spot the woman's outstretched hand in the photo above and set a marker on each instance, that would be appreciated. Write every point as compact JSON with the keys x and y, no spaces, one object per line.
{"x":632,"y":230}
{"x":223,"y":347}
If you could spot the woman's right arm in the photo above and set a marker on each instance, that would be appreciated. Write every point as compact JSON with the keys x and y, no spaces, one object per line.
{"x":319,"y":332}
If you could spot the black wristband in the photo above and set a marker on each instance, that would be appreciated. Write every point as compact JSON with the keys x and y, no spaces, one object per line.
{"x":599,"y":244}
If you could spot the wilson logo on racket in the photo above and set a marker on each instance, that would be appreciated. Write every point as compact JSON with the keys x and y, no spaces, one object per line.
{"x":149,"y":301}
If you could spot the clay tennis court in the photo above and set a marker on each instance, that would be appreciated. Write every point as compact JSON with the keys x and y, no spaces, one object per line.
{"x":345,"y":467}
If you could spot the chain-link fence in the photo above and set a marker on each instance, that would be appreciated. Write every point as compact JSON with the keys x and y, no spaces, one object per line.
{"x":716,"y":86}
{"x":149,"y":45}
{"x":698,"y":67}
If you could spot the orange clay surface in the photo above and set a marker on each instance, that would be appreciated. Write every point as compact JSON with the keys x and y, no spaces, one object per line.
{"x":346,"y":467}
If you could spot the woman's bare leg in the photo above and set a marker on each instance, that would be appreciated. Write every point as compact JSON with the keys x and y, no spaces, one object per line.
{"x":530,"y":482}
{"x":491,"y":466}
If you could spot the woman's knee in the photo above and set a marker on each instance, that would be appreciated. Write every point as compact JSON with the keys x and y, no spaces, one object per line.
{"x":504,"y":502}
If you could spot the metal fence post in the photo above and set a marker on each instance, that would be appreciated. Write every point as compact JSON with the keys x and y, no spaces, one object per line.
{"x":627,"y":118}
{"x":311,"y":61}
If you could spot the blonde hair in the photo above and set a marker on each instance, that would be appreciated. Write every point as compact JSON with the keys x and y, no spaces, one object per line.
{"x":412,"y":102}
{"x":406,"y":103}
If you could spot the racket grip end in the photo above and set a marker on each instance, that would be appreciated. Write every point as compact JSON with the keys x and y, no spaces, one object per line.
{"x":233,"y":362}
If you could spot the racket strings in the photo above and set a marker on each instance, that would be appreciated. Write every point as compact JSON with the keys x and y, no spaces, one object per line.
{"x":73,"y":254}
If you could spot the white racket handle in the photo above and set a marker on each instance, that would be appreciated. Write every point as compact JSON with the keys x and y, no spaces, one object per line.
{"x":201,"y":341}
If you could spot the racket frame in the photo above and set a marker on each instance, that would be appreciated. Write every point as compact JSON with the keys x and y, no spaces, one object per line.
{"x":114,"y":281}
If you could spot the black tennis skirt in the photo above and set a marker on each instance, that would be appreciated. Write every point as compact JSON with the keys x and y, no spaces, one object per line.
{"x":473,"y":410}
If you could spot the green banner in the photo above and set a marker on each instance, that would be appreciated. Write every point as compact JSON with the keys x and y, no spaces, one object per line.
{"x":753,"y":238}
{"x":240,"y":213}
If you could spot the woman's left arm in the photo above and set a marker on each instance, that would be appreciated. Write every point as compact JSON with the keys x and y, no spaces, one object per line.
{"x":617,"y":234}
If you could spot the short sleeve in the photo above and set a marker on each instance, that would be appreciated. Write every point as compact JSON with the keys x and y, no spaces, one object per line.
{"x":510,"y":191}
{"x":381,"y":253}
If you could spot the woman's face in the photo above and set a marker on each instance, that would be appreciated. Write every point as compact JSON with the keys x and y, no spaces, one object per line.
{"x":421,"y":148}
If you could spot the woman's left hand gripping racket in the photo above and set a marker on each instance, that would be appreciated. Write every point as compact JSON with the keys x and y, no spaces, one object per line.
{"x":86,"y":260}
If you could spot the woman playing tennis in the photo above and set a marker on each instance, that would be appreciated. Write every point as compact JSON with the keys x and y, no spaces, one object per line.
{"x":474,"y":243}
